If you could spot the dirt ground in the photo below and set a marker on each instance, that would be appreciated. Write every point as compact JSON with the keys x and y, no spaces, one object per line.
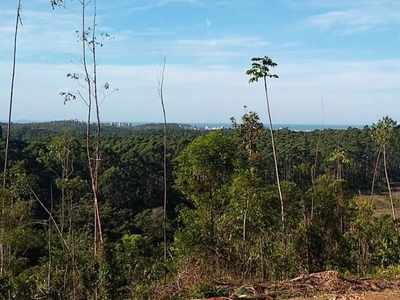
{"x":324,"y":285}
{"x":330,"y":285}
{"x":386,"y":295}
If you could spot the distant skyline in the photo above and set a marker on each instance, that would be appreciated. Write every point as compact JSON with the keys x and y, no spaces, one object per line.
{"x":343,"y":51}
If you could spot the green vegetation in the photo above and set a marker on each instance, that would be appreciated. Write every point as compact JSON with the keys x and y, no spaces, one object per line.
{"x":224,"y":212}
{"x":97,"y":211}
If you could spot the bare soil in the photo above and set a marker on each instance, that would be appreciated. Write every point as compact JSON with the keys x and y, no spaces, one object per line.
{"x":386,"y":295}
{"x":324,"y":285}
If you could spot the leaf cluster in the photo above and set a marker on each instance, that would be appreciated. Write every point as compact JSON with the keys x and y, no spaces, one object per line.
{"x":261,"y":69}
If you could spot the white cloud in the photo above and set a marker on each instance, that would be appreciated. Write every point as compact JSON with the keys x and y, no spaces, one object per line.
{"x":50,"y":36}
{"x":356,"y":20}
{"x":337,"y":4}
{"x":208,"y":23}
{"x":215,"y":93}
{"x":349,"y":17}
{"x":144,"y":5}
{"x":225,"y":48}
{"x":42,"y":32}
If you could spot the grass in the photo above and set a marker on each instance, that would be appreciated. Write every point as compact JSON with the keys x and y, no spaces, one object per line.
{"x":382,"y":202}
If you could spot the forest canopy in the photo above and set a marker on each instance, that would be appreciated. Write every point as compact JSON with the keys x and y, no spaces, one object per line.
{"x":223,"y":208}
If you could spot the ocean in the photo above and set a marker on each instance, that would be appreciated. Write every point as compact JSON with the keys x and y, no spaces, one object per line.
{"x":294,"y":127}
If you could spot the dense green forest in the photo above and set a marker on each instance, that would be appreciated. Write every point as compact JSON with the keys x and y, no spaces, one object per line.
{"x":166,"y":211}
{"x":224,"y":221}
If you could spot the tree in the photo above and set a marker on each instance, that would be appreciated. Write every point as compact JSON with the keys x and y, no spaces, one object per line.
{"x":339,"y":156}
{"x":60,"y":157}
{"x":382,"y":133}
{"x":90,"y":41}
{"x":245,"y":214}
{"x":249,"y":131}
{"x":205,"y":167}
{"x":261,"y":70}
{"x":331,"y":210}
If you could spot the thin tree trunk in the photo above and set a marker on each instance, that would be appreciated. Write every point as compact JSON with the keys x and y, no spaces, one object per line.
{"x":375,"y":171}
{"x":388,"y":186}
{"x":244,"y":234}
{"x":17,"y":21}
{"x":93,"y":162}
{"x":314,"y":167}
{"x":275,"y":157}
{"x":62,"y":221}
{"x":277,"y":176}
{"x":6,"y":151}
{"x":52,"y":219}
{"x":70,"y":250}
{"x":98,"y":130}
{"x":1,"y":240}
{"x":49,"y":241}
{"x":160,"y":93}
{"x":313,"y":179}
{"x":75,"y":289}
{"x":89,"y":105}
{"x":262,"y":260}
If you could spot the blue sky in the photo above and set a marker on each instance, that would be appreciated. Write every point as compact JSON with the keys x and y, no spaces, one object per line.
{"x":344,"y":51}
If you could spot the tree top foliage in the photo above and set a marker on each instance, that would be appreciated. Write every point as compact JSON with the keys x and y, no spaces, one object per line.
{"x":260,"y":68}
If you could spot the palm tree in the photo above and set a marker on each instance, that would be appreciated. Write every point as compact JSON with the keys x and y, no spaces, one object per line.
{"x":339,"y":156}
{"x":260,"y":69}
{"x":383,"y":133}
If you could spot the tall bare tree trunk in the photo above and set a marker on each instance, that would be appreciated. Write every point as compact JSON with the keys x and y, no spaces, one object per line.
{"x":275,"y":157}
{"x":93,"y":161}
{"x":161,"y":95}
{"x":89,"y":44}
{"x":89,"y":112}
{"x":277,"y":176}
{"x":17,"y":21}
{"x":244,"y":235}
{"x":388,"y":185}
{"x":375,"y":171}
{"x":314,"y":167}
{"x":49,"y":241}
{"x":262,"y":260}
{"x":98,"y":127}
{"x":6,"y":151}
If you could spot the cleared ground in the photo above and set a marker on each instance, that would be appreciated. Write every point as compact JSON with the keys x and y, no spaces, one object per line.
{"x":322,"y":285}
{"x":386,"y":295}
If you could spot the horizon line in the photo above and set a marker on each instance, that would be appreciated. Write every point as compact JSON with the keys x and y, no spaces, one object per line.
{"x":22,"y":121}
